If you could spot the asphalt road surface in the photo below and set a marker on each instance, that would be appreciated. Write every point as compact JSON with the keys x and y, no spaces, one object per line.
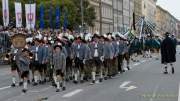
{"x":144,"y":82}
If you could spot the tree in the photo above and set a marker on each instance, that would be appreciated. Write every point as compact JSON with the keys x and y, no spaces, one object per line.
{"x":89,"y":12}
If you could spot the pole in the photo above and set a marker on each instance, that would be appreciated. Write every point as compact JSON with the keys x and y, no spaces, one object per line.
{"x":117,"y":4}
{"x":123,"y":14}
{"x":100,"y":15}
{"x":142,"y":26}
{"x":129,"y":13}
{"x":30,"y":13}
{"x":113,"y":8}
{"x":82,"y":16}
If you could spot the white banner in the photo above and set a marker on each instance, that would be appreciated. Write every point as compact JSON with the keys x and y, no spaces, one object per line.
{"x":18,"y":12}
{"x":30,"y":15}
{"x":5,"y":9}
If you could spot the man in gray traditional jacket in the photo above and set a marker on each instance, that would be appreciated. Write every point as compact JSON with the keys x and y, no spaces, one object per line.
{"x":59,"y":63}
{"x":96,"y":52}
{"x":24,"y":63}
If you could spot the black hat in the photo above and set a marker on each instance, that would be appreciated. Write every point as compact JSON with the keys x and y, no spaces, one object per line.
{"x":167,"y":34}
{"x":57,"y":46}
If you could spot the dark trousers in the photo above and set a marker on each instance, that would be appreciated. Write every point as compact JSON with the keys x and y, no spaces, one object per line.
{"x":120,"y":62}
{"x":79,"y":65}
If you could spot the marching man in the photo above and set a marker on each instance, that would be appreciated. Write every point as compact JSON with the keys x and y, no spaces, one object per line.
{"x":59,"y":63}
{"x":24,"y":63}
{"x":168,"y":53}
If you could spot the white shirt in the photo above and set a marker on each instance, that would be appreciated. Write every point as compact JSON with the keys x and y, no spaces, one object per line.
{"x":78,"y":50}
{"x":15,"y":51}
{"x":96,"y":51}
{"x":117,"y":42}
{"x":36,"y":55}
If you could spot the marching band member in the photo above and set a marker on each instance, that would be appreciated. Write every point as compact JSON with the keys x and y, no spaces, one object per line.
{"x":121,"y":47}
{"x":79,"y":51}
{"x":108,"y":56}
{"x":96,"y":52}
{"x":14,"y":59}
{"x":59,"y":63}
{"x":39,"y":56}
{"x":24,"y":68}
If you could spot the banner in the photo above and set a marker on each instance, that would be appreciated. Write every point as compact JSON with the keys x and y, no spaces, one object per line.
{"x":5,"y":9}
{"x":41,"y":17}
{"x":18,"y":13}
{"x":30,"y":15}
{"x":58,"y":14}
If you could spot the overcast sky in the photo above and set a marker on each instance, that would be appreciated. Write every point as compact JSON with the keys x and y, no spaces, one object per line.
{"x":173,"y":6}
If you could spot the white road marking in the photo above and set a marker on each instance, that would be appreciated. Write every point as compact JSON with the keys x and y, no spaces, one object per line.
{"x":70,"y":94}
{"x":179,"y":93}
{"x":3,"y":88}
{"x":143,"y":61}
{"x":124,"y":86}
{"x":136,"y":64}
{"x":131,"y":88}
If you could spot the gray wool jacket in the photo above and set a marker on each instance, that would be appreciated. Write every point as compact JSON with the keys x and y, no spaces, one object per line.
{"x":24,"y":64}
{"x":99,"y":49}
{"x":59,"y":61}
{"x":108,"y":51}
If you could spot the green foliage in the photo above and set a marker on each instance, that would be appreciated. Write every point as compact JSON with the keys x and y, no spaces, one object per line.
{"x":71,"y":6}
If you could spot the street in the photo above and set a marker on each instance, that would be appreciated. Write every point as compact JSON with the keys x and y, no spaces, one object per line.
{"x":144,"y":82}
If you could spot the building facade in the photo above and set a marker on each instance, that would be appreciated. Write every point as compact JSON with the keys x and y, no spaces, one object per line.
{"x":165,"y":22}
{"x":116,"y":15}
{"x":145,"y":8}
{"x":178,"y":30}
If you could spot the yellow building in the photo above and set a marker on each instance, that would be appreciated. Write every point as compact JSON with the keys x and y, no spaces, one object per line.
{"x":165,"y":22}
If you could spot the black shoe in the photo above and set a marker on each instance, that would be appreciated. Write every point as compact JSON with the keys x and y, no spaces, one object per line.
{"x":75,"y":82}
{"x":93,"y":81}
{"x":35,"y":84}
{"x":100,"y":80}
{"x":32,"y":80}
{"x":70,"y":78}
{"x":86,"y":79}
{"x":105,"y":78}
{"x":44,"y":81}
{"x":20,"y":83}
{"x":13,"y":85}
{"x":63,"y":88}
{"x":24,"y":90}
{"x":172,"y":70}
{"x":67,"y":79}
{"x":40,"y":82}
{"x":165,"y":72}
{"x":57,"y":90}
{"x":128,"y":68}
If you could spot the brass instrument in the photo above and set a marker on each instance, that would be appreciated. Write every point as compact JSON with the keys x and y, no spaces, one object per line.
{"x":18,"y":40}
